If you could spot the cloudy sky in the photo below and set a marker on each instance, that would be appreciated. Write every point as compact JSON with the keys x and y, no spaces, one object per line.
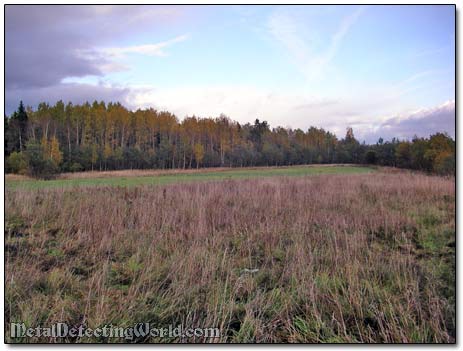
{"x":384,"y":70}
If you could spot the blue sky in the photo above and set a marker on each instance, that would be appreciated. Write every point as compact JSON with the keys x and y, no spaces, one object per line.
{"x":383,"y":70}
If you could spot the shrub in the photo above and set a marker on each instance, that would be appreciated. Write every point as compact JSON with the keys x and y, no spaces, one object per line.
{"x":76,"y":167}
{"x":370,"y":157}
{"x":39,"y":166}
{"x":444,"y":164}
{"x":16,"y":163}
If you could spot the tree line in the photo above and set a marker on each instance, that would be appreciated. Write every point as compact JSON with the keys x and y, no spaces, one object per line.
{"x":99,"y":136}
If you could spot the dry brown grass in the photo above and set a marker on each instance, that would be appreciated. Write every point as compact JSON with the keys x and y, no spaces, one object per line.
{"x":16,"y":177}
{"x":340,"y":258}
{"x":135,"y":173}
{"x":120,"y":173}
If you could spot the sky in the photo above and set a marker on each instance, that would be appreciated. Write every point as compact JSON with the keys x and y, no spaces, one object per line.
{"x":386,"y":71}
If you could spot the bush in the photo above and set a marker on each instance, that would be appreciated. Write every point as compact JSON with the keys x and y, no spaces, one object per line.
{"x":37,"y":165}
{"x":444,"y":164}
{"x":370,"y":157}
{"x":76,"y":167}
{"x":16,"y":163}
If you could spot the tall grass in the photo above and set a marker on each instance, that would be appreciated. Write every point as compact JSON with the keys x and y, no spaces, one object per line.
{"x":333,"y":258}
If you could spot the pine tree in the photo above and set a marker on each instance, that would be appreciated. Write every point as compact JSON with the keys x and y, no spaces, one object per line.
{"x":21,"y":117}
{"x":16,"y":134}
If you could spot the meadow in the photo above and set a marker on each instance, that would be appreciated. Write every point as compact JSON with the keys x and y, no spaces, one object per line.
{"x":126,"y":178}
{"x":303,"y":254}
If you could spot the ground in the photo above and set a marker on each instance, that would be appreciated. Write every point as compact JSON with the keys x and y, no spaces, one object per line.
{"x":307,"y":254}
{"x":127,"y":178}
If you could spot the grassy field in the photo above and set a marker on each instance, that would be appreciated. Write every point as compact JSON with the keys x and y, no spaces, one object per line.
{"x":327,"y":258}
{"x":135,"y":178}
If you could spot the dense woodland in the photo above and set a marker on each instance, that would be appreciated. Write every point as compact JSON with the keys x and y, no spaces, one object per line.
{"x":99,"y":136}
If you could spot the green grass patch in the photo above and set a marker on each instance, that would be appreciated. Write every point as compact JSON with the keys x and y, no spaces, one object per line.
{"x":215,"y":175}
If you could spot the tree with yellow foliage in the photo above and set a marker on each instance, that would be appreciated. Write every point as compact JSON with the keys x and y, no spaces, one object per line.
{"x":199,"y":154}
{"x":55,"y":153}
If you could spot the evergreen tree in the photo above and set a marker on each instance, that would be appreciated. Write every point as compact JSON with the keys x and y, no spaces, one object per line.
{"x":16,"y":130}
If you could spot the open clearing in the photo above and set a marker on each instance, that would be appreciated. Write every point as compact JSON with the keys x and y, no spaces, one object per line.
{"x":325,"y":258}
{"x":159,"y":177}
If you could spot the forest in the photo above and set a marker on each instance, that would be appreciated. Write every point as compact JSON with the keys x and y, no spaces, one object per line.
{"x":70,"y":138}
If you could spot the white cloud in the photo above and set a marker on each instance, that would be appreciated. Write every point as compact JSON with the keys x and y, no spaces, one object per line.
{"x":368,"y":117}
{"x":415,"y":77}
{"x":337,"y":38}
{"x":111,"y":59}
{"x":157,"y":49}
{"x":421,"y":122}
{"x":302,"y":43}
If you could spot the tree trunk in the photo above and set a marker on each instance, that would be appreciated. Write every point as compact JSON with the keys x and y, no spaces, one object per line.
{"x":69,"y":141}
